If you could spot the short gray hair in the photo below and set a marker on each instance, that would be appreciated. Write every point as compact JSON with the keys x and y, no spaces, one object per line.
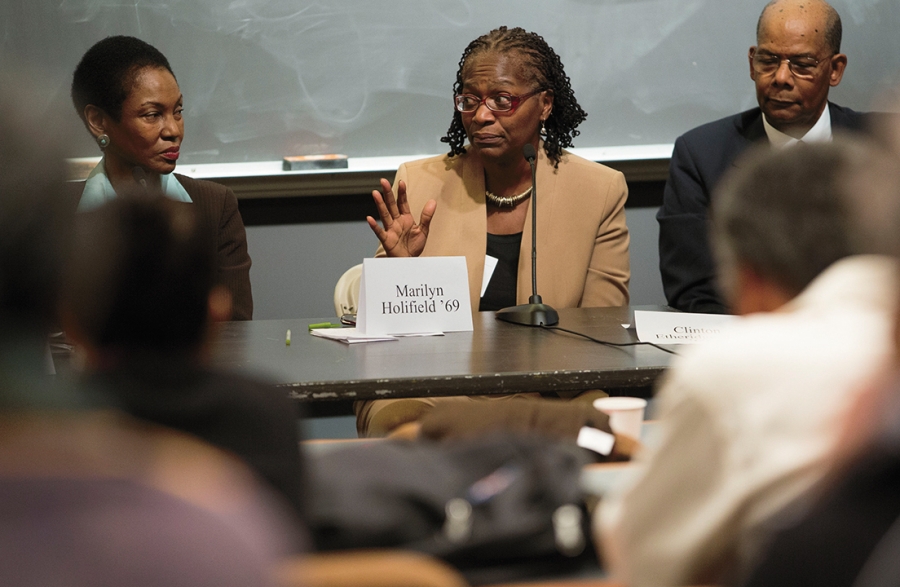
{"x":791,"y":213}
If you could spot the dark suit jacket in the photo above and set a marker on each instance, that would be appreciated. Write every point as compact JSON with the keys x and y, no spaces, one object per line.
{"x":220,"y":221}
{"x":217,"y":209}
{"x":701,"y":157}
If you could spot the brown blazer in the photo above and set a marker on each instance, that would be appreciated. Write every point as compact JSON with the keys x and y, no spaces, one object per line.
{"x":221,"y":223}
{"x":582,"y":237}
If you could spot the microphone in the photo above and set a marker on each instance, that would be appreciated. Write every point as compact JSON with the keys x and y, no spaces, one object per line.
{"x":535,"y":312}
{"x":530,"y":156}
{"x":140,"y":176}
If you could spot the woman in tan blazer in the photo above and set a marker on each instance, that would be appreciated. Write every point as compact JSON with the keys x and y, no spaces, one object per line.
{"x":511,"y":90}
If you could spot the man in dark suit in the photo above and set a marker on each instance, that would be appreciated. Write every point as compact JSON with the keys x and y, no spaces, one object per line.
{"x":795,"y":62}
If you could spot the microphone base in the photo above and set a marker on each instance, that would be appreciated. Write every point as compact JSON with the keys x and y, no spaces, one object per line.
{"x":529,"y":315}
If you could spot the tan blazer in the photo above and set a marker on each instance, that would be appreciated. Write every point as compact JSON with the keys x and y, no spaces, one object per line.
{"x":582,"y":237}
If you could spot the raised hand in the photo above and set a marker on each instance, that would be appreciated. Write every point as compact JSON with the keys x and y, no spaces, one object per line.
{"x":401,"y":235}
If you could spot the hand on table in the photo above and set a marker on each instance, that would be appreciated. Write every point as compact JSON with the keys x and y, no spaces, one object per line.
{"x":408,"y":431}
{"x":401,"y":235}
{"x":625,"y":448}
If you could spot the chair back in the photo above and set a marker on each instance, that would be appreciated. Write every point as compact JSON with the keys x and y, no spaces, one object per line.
{"x":346,"y":291}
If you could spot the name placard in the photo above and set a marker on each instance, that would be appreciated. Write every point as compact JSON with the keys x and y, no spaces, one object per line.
{"x":679,"y":327}
{"x":414,"y":294}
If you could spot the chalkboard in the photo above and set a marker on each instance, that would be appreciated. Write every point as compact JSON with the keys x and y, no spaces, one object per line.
{"x":267,"y":78}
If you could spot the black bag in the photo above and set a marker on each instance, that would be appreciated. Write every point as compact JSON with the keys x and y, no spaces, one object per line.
{"x":502,"y":506}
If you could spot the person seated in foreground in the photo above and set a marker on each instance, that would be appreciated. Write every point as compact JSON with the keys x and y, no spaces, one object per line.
{"x":511,"y":90}
{"x":849,"y":535}
{"x":89,"y":496}
{"x":797,"y":59}
{"x":142,"y":301}
{"x":747,"y":422}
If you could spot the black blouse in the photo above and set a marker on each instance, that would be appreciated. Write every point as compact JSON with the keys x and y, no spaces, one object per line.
{"x":501,"y":289}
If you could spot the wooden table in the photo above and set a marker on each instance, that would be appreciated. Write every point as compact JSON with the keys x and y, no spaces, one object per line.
{"x":495,"y":358}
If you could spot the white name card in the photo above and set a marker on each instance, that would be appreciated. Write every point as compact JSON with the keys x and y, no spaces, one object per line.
{"x":679,"y":327}
{"x":414,"y":294}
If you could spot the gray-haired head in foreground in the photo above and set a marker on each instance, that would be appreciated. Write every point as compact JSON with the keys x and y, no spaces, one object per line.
{"x":789,"y":214}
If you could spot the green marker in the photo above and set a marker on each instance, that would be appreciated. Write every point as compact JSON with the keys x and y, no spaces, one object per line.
{"x":325,"y":325}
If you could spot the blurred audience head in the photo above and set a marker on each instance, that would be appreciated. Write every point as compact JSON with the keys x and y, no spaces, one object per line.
{"x":35,"y":220}
{"x":784,"y":216}
{"x":874,"y":189}
{"x":881,"y":211}
{"x":141,"y":279}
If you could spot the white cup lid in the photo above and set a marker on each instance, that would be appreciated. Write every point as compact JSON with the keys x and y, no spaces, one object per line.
{"x":619,"y":403}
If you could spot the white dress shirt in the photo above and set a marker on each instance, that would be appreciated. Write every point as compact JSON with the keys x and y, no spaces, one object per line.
{"x":819,"y":133}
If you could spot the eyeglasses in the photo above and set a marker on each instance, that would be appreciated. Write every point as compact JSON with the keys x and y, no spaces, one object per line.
{"x":496,"y":103}
{"x":802,"y":66}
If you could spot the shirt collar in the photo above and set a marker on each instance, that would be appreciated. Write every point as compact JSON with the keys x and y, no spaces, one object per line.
{"x":820,"y":132}
{"x":98,"y":190}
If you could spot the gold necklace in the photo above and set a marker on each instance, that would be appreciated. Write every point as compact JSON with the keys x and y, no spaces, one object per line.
{"x":507,"y":201}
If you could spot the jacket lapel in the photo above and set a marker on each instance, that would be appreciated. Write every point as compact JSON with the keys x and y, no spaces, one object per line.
{"x":471,"y":225}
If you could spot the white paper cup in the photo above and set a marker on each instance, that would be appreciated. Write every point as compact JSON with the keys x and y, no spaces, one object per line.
{"x":626,"y":414}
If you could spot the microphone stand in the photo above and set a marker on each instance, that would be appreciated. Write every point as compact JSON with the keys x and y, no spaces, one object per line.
{"x":535,"y":312}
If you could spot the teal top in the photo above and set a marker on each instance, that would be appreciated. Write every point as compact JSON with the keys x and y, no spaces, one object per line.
{"x":98,"y":190}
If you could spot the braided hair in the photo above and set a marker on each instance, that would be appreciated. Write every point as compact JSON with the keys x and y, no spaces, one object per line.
{"x":544,"y":66}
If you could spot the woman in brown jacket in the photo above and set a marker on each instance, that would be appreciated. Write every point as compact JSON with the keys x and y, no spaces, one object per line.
{"x":129,"y":100}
